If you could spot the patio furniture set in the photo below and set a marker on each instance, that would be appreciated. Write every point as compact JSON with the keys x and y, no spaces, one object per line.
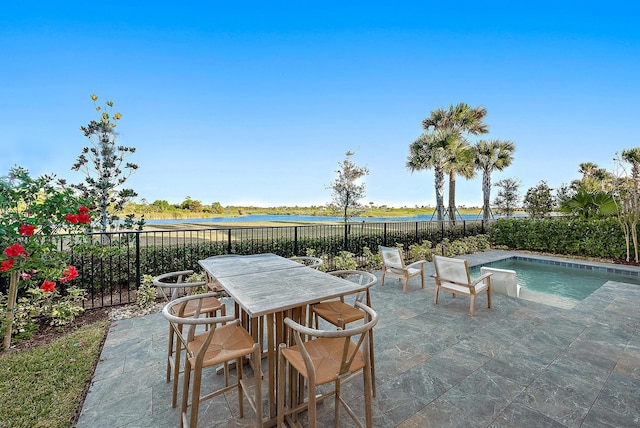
{"x":313,"y":328}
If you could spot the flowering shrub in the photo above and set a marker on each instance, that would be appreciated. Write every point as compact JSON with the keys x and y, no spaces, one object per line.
{"x":31,"y":211}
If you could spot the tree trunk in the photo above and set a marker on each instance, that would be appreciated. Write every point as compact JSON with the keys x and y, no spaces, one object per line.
{"x":439,"y":187}
{"x":452,"y":197}
{"x":11,"y":305}
{"x":634,"y":238}
{"x":486,"y":195}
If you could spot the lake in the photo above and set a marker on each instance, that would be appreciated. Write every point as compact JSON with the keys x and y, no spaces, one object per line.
{"x":261,"y":218}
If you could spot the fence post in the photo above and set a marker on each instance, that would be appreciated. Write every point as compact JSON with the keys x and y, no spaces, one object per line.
{"x":295,"y":240}
{"x":137,"y":259}
{"x":346,"y":237}
{"x":229,"y":242}
{"x":384,"y":234}
{"x":464,"y":228}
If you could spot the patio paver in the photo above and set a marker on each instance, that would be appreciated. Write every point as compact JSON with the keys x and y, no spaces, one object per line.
{"x":521,"y":363}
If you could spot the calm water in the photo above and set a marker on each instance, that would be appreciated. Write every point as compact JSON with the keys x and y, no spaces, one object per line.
{"x":570,"y":282}
{"x":300,"y":218}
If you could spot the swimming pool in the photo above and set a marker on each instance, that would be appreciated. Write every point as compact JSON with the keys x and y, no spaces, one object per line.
{"x":564,"y":279}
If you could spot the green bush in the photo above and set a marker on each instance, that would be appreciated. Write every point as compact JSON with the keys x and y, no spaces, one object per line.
{"x":420,"y":251}
{"x":593,"y":238}
{"x":147,"y":293}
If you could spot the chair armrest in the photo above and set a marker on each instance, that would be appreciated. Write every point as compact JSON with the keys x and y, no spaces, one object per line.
{"x":481,"y":278}
{"x":415,"y":264}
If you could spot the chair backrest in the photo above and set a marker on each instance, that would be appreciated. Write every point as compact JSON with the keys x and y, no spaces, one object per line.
{"x":360,"y":277}
{"x":342,"y":337}
{"x":308,"y":261}
{"x":174,"y":312}
{"x":391,"y":257}
{"x":452,"y":270}
{"x":174,"y":282}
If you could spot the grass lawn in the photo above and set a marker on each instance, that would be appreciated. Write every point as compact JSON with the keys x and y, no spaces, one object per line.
{"x":43,"y":386}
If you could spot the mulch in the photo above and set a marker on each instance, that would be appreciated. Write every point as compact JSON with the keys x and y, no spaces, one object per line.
{"x":47,"y":333}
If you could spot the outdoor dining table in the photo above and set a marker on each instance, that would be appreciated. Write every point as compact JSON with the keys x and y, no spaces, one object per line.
{"x":270,"y":287}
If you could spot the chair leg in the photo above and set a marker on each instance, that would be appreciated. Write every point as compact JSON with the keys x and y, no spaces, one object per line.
{"x":489,"y":297}
{"x":240,"y":389}
{"x":176,"y":371}
{"x":337,"y":403}
{"x":311,"y":407}
{"x":170,"y":355}
{"x":406,"y":284}
{"x":367,"y":374}
{"x":185,"y":393}
{"x":373,"y":364}
{"x":195,"y":397}
{"x":472,"y":305}
{"x":436,"y":294}
{"x":382,"y":280}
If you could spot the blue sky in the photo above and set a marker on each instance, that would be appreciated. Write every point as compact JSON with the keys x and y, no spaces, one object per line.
{"x":256,"y":103}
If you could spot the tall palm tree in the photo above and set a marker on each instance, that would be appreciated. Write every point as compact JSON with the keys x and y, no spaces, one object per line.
{"x":460,"y":118}
{"x":458,"y":121}
{"x":492,"y":155}
{"x":430,"y":151}
{"x":460,"y":161}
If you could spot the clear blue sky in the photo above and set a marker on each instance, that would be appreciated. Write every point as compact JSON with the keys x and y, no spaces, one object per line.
{"x":257,"y":102}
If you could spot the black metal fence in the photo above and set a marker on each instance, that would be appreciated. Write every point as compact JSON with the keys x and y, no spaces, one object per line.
{"x":111,"y":265}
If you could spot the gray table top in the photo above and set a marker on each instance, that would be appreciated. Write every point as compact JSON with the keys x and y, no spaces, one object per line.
{"x":266,"y":283}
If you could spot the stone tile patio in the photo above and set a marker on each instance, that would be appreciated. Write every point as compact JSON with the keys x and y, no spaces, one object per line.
{"x":519,"y":364}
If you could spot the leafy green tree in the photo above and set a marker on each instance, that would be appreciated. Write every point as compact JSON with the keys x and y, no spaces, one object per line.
{"x":626,"y":198}
{"x":539,"y":200}
{"x":161,"y":205}
{"x":565,"y":192}
{"x":491,"y":155}
{"x":105,"y":169}
{"x":217,"y":208}
{"x":506,"y":200}
{"x":347,"y":190}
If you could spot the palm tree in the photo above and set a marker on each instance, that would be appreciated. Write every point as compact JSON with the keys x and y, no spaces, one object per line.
{"x":460,"y":162}
{"x":587,"y":169}
{"x":457,"y":120}
{"x":461,"y":118}
{"x":491,"y":155}
{"x":430,"y":151}
{"x":588,"y":204}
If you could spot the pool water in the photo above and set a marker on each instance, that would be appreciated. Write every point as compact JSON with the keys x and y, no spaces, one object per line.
{"x":565,"y":281}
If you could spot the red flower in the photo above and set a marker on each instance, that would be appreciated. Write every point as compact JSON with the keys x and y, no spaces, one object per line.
{"x":70,"y":273}
{"x":26,"y":229}
{"x":48,"y":286}
{"x":6,"y":265}
{"x":84,"y":218}
{"x":71,"y":218}
{"x":83,"y":209}
{"x":14,"y":251}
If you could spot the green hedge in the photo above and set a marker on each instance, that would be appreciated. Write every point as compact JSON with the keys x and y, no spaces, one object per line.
{"x":592,"y":238}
